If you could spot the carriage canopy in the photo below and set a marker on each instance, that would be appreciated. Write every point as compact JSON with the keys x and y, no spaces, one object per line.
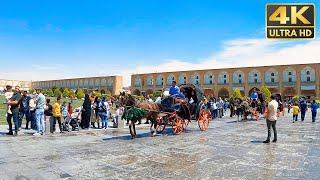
{"x":192,"y":91}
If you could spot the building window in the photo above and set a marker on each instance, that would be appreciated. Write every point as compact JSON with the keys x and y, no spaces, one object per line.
{"x":308,"y":72}
{"x":184,"y":77}
{"x":308,"y":79}
{"x":210,"y":81}
{"x":239,"y":75}
{"x":290,"y":79}
{"x":289,"y":73}
{"x":256,"y":75}
{"x":225,"y":81}
{"x":210,"y":76}
{"x":240,"y":81}
{"x":225,"y":76}
{"x":272,"y":74}
{"x":272,"y":80}
{"x":255,"y":80}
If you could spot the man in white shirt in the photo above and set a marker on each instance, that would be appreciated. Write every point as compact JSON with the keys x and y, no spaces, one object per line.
{"x":272,"y":119}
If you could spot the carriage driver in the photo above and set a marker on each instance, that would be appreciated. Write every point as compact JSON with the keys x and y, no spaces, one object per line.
{"x":254,"y":95}
{"x":175,"y":90}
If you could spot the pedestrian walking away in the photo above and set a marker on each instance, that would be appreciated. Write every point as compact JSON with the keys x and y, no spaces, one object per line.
{"x":314,"y":108}
{"x":295,"y":112}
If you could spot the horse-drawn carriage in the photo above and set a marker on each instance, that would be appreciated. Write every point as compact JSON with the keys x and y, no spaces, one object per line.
{"x":172,"y":111}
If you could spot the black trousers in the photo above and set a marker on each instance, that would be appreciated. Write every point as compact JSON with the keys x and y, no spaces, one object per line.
{"x":55,"y":122}
{"x":273,"y":125}
{"x":9,"y":121}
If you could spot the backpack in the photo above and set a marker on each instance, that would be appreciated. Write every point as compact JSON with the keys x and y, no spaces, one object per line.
{"x":102,"y":107}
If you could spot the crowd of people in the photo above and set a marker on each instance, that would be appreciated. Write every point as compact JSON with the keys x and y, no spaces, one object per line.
{"x":37,"y":111}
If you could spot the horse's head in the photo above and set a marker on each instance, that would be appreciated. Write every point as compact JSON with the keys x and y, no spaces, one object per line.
{"x":126,"y":100}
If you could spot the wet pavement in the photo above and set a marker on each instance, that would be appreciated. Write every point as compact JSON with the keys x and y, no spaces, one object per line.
{"x":228,"y":150}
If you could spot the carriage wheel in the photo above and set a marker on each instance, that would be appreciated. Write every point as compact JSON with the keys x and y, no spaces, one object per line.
{"x":185,"y":124}
{"x":161,"y":125}
{"x":177,"y":125}
{"x":203,"y":121}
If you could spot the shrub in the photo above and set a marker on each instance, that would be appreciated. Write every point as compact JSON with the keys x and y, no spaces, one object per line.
{"x":49,"y":93}
{"x":80,"y":94}
{"x":72,"y":94}
{"x":57,"y":93}
{"x":66,"y":92}
{"x":236,"y":94}
{"x":266,"y":93}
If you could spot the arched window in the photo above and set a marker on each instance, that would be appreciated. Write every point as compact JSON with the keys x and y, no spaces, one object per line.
{"x":160,"y":80}
{"x":170,"y":78}
{"x":238,"y":77}
{"x":208,"y":78}
{"x":254,"y":77}
{"x":271,"y":76}
{"x":308,"y":74}
{"x":182,"y":79}
{"x":137,"y":82}
{"x":195,"y":79}
{"x":289,"y":75}
{"x":150,"y":81}
{"x":223,"y":78}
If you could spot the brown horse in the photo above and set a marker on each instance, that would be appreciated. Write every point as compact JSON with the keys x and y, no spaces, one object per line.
{"x":152,"y":112}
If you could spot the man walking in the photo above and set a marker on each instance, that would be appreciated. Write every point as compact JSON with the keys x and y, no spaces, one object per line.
{"x":303,"y":109}
{"x":40,"y":102}
{"x":24,"y":109}
{"x":14,"y":102}
{"x":272,"y":119}
{"x":314,"y":108}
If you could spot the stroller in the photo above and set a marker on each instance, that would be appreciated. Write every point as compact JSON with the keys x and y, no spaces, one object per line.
{"x":71,"y":123}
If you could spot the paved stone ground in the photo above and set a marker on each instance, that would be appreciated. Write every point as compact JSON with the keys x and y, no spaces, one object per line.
{"x":228,"y":150}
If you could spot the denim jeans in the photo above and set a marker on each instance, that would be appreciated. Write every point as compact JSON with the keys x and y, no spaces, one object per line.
{"x":25,"y":112}
{"x":40,"y":120}
{"x":104,"y":120}
{"x":33,"y":120}
{"x":314,"y":115}
{"x":16,"y":119}
{"x":303,"y":114}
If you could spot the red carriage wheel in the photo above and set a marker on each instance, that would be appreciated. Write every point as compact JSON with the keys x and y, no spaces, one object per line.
{"x":161,"y":125}
{"x":185,"y":124}
{"x":177,"y":125}
{"x":203,"y":120}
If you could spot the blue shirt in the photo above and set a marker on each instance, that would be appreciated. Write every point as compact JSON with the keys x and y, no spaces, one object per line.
{"x":314,"y":107}
{"x":254,"y":96}
{"x":174,"y":90}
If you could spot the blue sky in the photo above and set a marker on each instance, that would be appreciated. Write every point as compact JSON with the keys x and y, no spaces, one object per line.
{"x":96,"y":37}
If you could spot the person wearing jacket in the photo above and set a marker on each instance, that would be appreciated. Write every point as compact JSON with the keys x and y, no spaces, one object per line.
{"x":104,"y":112}
{"x":314,"y":108}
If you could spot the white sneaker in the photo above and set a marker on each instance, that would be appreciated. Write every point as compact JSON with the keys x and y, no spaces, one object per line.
{"x":36,"y":134}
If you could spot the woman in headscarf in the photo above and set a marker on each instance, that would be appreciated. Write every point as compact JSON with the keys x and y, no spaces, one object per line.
{"x":86,"y":112}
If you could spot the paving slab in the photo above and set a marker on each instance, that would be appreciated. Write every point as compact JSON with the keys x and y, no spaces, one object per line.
{"x":227,"y":150}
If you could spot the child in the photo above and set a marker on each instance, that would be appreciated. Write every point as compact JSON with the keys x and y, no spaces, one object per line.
{"x":64,"y":110}
{"x":295,"y":112}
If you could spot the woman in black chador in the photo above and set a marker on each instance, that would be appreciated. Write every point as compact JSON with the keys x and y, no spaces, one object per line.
{"x":86,"y":112}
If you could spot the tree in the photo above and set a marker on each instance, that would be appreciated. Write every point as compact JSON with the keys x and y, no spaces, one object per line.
{"x":72,"y":94}
{"x":31,"y":90}
{"x":57,"y":93}
{"x":266,"y":93}
{"x":66,"y":92}
{"x":98,"y":94}
{"x":236,"y":94}
{"x":49,"y":93}
{"x":80,"y":94}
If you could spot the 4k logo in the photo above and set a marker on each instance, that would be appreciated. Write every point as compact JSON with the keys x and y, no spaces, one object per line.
{"x":290,"y":21}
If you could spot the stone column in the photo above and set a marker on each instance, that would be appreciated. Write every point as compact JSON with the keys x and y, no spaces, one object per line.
{"x":317,"y":69}
{"x":298,"y":83}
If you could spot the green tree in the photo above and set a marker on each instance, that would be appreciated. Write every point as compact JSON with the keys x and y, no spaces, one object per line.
{"x":266,"y":93}
{"x":66,"y":92}
{"x":57,"y":93}
{"x":80,"y":94}
{"x":49,"y":93}
{"x":72,"y":94}
{"x":31,"y":90}
{"x":98,"y":94}
{"x":236,"y":94}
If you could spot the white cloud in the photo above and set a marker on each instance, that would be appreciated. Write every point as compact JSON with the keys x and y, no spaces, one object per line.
{"x":234,"y":53}
{"x":246,"y":52}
